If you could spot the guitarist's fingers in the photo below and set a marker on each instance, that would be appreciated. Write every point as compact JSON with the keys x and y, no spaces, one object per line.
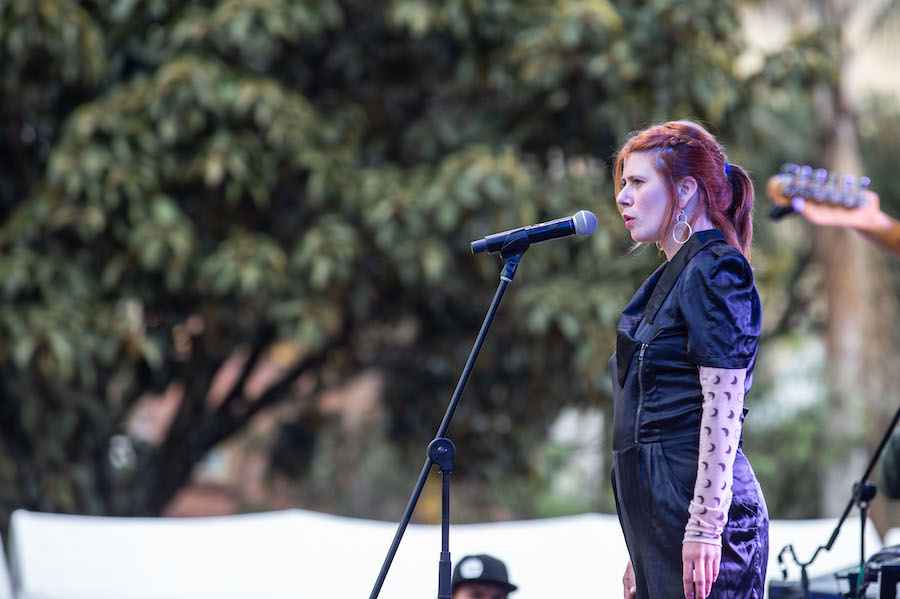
{"x":873,"y":198}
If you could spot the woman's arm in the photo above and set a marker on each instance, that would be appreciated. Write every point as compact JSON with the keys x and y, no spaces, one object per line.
{"x":720,"y":431}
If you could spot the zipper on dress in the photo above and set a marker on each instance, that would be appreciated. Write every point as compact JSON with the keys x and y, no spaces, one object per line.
{"x":637,"y":415}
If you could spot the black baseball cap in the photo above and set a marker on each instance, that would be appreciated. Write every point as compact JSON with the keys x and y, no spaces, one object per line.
{"x":484,"y":569}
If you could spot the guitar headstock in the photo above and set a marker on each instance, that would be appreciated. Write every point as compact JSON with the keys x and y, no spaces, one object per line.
{"x":817,"y":186}
{"x":826,"y":200}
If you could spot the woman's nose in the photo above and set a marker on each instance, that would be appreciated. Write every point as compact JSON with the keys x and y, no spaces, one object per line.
{"x":624,"y":198}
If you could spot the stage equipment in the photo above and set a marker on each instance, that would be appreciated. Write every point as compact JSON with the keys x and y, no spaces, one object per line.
{"x":863,"y":493}
{"x":880,"y":581}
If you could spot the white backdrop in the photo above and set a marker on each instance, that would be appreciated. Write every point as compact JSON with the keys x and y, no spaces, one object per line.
{"x":299,"y":554}
{"x":5,"y":589}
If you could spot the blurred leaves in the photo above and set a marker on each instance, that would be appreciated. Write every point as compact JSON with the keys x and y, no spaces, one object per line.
{"x":190,"y":181}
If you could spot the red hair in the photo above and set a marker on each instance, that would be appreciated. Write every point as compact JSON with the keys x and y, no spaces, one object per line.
{"x":686,"y":149}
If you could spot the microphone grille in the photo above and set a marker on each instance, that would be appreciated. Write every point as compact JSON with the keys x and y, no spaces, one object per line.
{"x":585,"y":222}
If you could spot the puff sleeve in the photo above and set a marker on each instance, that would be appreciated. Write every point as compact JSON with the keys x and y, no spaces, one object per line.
{"x":721,"y":310}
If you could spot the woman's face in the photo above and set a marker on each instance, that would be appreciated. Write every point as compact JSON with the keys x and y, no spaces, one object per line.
{"x":642,"y":201}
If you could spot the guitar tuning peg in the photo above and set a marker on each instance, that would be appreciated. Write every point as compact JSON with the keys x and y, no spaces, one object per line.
{"x":848,"y":192}
{"x":849,"y":181}
{"x":788,"y":179}
{"x":834,"y":191}
{"x":864,"y":183}
{"x":817,"y":187}
{"x":802,"y":183}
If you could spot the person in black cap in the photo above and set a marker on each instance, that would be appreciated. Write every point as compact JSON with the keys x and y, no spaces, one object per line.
{"x":480,"y":577}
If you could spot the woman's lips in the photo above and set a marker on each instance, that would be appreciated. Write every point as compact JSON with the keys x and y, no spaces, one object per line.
{"x":628,"y":220}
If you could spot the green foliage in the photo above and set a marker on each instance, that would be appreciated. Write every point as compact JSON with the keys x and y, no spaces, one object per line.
{"x":191,"y":181}
{"x":790,"y":477}
{"x":879,"y":145}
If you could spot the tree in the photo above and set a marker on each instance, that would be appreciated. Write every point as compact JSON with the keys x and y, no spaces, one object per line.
{"x":198,"y":182}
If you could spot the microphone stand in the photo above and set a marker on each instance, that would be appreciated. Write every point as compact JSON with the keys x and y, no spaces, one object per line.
{"x":441,"y":451}
{"x":863,"y":493}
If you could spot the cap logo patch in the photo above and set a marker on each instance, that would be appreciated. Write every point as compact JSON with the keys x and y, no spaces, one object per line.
{"x":471,"y":568}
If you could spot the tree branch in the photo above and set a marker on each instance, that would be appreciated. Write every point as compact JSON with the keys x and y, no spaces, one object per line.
{"x":226,"y":422}
{"x":796,"y":303}
{"x":263,"y":340}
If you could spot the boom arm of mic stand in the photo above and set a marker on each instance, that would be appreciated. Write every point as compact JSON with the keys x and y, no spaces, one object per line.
{"x":511,"y":253}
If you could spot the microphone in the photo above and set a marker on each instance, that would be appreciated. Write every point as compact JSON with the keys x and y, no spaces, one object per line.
{"x":583,"y":222}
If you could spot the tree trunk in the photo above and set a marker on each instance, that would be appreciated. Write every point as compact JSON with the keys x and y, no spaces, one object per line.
{"x":860,"y":347}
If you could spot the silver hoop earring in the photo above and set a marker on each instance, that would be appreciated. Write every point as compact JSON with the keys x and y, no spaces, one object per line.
{"x":681,"y":220}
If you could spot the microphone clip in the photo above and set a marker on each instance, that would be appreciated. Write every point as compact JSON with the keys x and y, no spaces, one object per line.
{"x":513,"y":248}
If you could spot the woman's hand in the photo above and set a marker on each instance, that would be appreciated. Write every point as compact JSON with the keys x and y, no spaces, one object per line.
{"x":700,"y":568}
{"x":628,"y":582}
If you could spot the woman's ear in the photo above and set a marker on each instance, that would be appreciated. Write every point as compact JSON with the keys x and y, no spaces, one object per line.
{"x":687,"y":189}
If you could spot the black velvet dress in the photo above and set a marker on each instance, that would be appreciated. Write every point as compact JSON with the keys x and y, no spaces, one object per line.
{"x":701,"y":309}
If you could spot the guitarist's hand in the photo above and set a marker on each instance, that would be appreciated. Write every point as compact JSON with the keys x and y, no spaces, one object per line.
{"x":867,"y":219}
{"x":864,"y":218}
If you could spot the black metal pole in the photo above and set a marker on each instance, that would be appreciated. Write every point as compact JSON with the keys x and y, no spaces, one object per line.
{"x":442,"y":451}
{"x":863,"y":492}
{"x":511,"y":253}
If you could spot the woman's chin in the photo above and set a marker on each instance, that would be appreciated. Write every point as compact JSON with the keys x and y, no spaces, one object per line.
{"x":638,"y":238}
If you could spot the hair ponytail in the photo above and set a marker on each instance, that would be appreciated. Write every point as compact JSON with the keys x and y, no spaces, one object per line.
{"x":740,"y":212}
